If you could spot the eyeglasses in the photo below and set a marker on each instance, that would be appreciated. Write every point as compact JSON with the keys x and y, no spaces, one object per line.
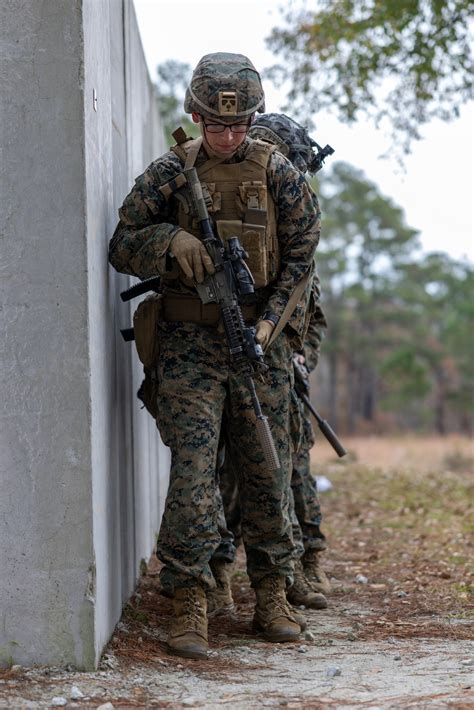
{"x":220,"y":127}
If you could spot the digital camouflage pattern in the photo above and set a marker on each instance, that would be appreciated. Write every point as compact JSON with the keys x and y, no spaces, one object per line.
{"x":307,"y":520}
{"x":223,"y":71}
{"x":305,"y":511}
{"x":308,"y":516}
{"x":316,"y":327}
{"x":195,"y":379}
{"x":148,"y":222}
{"x":292,"y":139}
{"x":230,"y":528}
{"x":304,"y":508}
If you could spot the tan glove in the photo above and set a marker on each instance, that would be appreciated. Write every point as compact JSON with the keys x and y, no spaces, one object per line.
{"x":263,"y":332}
{"x":191,"y":255}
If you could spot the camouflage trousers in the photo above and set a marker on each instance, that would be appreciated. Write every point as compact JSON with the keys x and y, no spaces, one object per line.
{"x":305,"y":493}
{"x":195,"y":383}
{"x":304,"y":508}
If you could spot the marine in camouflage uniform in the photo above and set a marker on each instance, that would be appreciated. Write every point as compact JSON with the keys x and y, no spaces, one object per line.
{"x":307,"y":533}
{"x":303,"y":484}
{"x":196,"y":377}
{"x":307,"y":521}
{"x":295,"y":143}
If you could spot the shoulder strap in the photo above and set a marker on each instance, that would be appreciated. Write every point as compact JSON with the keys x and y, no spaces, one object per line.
{"x":289,"y":308}
{"x":192,"y":152}
{"x":188,"y":153}
{"x":187,"y":148}
{"x":260,"y":152}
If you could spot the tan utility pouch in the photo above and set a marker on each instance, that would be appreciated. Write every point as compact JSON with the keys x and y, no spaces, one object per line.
{"x":189,"y":309}
{"x":252,"y":238}
{"x":145,"y":326}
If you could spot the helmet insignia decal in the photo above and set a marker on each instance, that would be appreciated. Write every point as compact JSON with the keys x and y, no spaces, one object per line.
{"x":227,"y":103}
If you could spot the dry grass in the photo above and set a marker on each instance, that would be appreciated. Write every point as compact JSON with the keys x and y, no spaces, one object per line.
{"x":406,"y":452}
{"x":400,"y":513}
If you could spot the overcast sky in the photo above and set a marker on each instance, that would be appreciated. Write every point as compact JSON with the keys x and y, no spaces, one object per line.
{"x":437,"y":190}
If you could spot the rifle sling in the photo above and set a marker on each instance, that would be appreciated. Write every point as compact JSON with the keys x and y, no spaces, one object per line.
{"x":289,"y":308}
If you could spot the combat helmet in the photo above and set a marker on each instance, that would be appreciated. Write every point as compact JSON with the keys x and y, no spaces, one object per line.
{"x":292,"y":139}
{"x":226,"y":87}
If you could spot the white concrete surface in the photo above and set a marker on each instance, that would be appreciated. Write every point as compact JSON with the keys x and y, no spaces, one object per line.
{"x":83,"y":474}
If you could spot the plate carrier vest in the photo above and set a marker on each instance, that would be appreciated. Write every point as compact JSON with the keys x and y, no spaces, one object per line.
{"x":239,"y":202}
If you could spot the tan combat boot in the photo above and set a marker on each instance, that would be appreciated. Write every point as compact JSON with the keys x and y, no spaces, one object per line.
{"x":314,"y":572}
{"x":301,"y":592}
{"x":187,"y":635}
{"x":273,"y":616}
{"x":300,"y":619}
{"x":219,"y":600}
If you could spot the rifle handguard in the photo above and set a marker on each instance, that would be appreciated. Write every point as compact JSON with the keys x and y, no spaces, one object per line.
{"x":267,"y":443}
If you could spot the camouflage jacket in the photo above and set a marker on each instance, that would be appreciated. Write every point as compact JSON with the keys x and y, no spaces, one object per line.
{"x":148,"y":223}
{"x":316,"y":328}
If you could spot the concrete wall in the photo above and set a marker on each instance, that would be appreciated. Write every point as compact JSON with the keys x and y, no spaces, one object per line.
{"x":83,"y":474}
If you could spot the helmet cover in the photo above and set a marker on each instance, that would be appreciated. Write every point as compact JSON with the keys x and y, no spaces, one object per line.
{"x":226,"y":87}
{"x":292,"y":139}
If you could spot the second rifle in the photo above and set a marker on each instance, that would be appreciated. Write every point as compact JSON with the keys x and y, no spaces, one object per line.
{"x":302,"y":390}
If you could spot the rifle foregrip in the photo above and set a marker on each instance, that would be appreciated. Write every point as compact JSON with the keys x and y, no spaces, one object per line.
{"x":332,"y":438}
{"x":268,"y":445}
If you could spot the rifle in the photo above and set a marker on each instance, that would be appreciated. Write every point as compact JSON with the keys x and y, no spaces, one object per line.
{"x":320,"y":157}
{"x":302,"y":390}
{"x":229,"y":286}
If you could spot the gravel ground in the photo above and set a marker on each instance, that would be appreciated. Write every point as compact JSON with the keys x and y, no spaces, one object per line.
{"x":398,"y":633}
{"x":329,"y":668}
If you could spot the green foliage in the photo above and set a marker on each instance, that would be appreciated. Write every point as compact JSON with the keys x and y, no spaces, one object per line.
{"x":400,"y":321}
{"x":173,"y":78}
{"x":402,"y":62}
{"x":406,"y":373}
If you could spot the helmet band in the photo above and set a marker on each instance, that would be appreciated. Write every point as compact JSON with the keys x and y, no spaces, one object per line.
{"x":212,"y":111}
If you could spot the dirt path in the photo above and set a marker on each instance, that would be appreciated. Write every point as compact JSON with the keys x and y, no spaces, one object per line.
{"x":332,"y":669}
{"x":399,"y":631}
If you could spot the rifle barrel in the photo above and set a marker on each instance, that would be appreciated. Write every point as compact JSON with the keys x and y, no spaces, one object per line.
{"x":325,"y":428}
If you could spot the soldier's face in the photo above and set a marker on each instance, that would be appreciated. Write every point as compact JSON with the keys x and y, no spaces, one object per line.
{"x":226,"y":142}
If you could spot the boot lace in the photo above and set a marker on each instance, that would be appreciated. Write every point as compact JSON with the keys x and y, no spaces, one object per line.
{"x":192,"y":609}
{"x":278,"y":599}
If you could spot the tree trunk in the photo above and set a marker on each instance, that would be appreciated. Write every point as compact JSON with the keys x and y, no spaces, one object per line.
{"x":333,"y":400}
{"x":440,"y":401}
{"x":352,"y":399}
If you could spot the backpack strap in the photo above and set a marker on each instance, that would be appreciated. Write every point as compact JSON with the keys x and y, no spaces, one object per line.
{"x":187,"y":150}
